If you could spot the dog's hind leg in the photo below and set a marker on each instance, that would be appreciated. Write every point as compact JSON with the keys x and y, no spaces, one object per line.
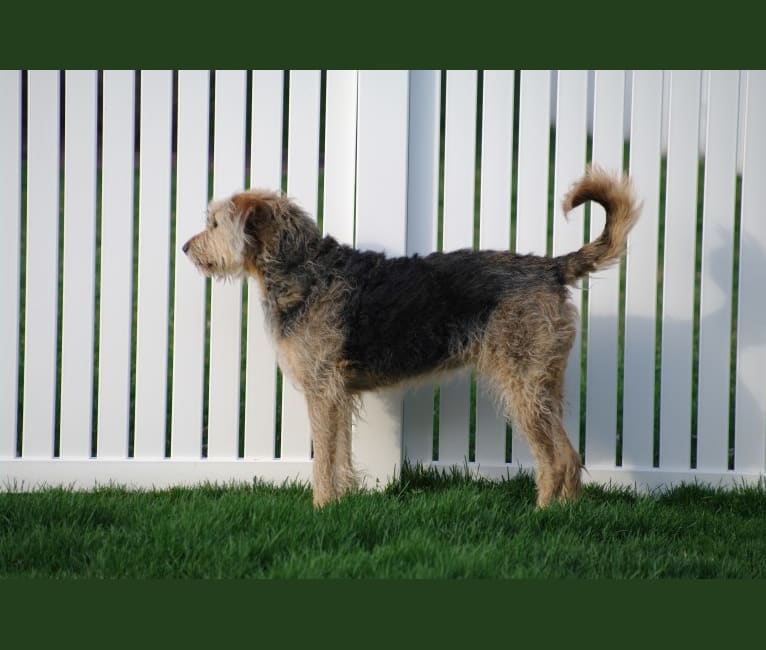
{"x":524,"y":360}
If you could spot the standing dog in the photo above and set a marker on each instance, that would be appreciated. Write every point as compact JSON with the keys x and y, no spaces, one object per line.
{"x":346,"y":321}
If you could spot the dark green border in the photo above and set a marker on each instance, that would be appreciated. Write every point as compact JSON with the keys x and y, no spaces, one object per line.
{"x":469,"y":614}
{"x":394,"y":34}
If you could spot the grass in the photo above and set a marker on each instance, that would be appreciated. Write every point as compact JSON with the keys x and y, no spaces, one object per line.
{"x":428,"y":524}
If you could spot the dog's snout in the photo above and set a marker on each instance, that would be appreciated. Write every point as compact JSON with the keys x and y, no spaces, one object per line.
{"x":185,"y":247}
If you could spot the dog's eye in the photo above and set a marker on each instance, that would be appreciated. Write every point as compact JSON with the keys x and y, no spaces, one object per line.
{"x":214,"y":224}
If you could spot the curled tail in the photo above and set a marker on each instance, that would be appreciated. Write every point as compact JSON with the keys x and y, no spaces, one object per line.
{"x":615,"y":194}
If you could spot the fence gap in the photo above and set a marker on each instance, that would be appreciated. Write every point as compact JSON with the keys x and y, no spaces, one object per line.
{"x":285,"y":126}
{"x":440,"y":237}
{"x":585,"y":282}
{"x":658,"y":318}
{"x":285,"y":140}
{"x":208,"y":281}
{"x":246,"y":297}
{"x":248,"y":130}
{"x":696,"y":311}
{"x":477,"y":159}
{"x":476,"y":233}
{"x":513,"y":221}
{"x":550,"y":205}
{"x":734,"y":319}
{"x":134,"y":274}
{"x":97,"y":269}
{"x":320,"y":172}
{"x":171,"y":265}
{"x":22,"y":259}
{"x":621,"y":305}
{"x":60,"y":274}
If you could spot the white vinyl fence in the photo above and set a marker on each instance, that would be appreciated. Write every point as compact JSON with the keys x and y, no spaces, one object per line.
{"x":120,"y":363}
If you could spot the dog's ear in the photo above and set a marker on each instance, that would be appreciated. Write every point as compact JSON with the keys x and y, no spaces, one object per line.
{"x":259,"y":224}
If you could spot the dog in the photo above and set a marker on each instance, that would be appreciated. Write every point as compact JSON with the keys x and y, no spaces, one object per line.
{"x":346,"y":321}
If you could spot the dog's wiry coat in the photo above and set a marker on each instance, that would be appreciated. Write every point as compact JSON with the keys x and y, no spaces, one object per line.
{"x":346,"y":321}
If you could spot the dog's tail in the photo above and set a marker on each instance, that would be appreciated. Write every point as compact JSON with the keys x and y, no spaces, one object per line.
{"x":615,"y":194}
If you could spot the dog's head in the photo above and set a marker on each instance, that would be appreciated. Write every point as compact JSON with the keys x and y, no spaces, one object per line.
{"x":240,"y":231}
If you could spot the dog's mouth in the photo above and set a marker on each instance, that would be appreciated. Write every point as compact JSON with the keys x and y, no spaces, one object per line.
{"x":206,"y":267}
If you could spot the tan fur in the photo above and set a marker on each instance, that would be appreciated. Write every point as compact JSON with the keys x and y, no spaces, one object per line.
{"x":521,"y":350}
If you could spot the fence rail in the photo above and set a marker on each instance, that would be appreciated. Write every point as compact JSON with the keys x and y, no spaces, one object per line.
{"x":121,"y":363}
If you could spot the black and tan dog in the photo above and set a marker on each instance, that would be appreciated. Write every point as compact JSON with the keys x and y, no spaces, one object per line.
{"x":346,"y":321}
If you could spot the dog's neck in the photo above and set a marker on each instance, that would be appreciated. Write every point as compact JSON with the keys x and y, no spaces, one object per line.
{"x":291,"y":278}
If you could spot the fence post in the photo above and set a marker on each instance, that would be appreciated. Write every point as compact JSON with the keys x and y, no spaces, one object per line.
{"x":381,"y":202}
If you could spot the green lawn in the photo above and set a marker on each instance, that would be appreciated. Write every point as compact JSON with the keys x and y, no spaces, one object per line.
{"x":427,"y":525}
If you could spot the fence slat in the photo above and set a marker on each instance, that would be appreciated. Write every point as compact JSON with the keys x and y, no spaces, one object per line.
{"x":571,"y":143}
{"x":381,"y":208}
{"x":153,"y":262}
{"x":303,"y":187}
{"x":641,"y":271}
{"x":604,"y":287}
{"x":459,"y":182}
{"x":226,"y":299}
{"x":494,"y":230}
{"x":422,"y":217}
{"x":750,"y":414}
{"x":717,"y":254}
{"x":10,"y":247}
{"x":78,"y":305}
{"x":116,"y":278}
{"x":42,"y":264}
{"x":189,"y":305}
{"x":340,"y":155}
{"x":532,"y":192}
{"x":678,"y":269}
{"x":265,"y":172}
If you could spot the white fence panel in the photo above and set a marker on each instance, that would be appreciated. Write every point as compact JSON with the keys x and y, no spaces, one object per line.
{"x":303,"y":187}
{"x":116,"y":277}
{"x":717,"y":254}
{"x":265,"y":172}
{"x":153,"y":262}
{"x":226,"y":299}
{"x":381,"y":189}
{"x":459,"y":183}
{"x":381,"y":208}
{"x":750,"y":439}
{"x":42,"y":265}
{"x":494,"y":231}
{"x":10,"y":254}
{"x":641,"y":272}
{"x":678,"y":270}
{"x":571,"y":145}
{"x":78,"y":303}
{"x":422,"y":220}
{"x":532,"y":190}
{"x":604,"y":287}
{"x":189,"y":306}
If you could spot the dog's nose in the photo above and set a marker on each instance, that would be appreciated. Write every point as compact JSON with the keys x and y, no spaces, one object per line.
{"x":185,"y":247}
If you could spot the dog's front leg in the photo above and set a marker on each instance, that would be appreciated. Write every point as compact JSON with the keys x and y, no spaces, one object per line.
{"x":322,"y":416}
